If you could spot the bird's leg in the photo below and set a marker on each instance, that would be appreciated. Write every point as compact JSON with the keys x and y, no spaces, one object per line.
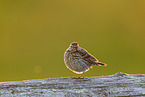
{"x":80,"y":77}
{"x":81,"y":74}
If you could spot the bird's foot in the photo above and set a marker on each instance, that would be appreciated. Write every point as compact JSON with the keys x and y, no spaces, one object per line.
{"x":78,"y":77}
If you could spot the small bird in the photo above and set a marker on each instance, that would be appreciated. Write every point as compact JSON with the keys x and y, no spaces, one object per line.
{"x":79,"y":60}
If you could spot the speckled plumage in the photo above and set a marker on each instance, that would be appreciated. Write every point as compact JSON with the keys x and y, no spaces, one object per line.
{"x":79,"y":60}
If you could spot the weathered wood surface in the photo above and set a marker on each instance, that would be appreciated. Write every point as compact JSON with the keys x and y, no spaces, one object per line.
{"x":119,"y":84}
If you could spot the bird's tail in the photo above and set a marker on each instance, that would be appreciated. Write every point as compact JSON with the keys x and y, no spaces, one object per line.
{"x":100,"y":64}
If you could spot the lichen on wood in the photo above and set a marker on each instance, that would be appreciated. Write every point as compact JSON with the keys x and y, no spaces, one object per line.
{"x":119,"y":84}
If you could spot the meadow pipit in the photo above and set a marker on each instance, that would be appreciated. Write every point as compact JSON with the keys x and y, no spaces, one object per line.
{"x":79,"y":60}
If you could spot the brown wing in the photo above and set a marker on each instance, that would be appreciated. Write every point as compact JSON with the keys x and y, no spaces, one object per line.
{"x":86,"y":56}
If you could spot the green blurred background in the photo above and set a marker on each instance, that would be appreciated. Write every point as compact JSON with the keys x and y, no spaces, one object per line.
{"x":34,"y":35}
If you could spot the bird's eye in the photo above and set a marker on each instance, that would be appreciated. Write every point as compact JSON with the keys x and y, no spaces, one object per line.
{"x":74,"y":44}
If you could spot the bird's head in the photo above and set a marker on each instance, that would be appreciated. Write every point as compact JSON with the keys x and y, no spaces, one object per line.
{"x":74,"y":46}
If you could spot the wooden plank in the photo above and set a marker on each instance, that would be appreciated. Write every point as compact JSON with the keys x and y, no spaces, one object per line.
{"x":119,"y":84}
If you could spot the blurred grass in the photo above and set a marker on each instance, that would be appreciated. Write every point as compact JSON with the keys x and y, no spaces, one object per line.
{"x":34,"y":35}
